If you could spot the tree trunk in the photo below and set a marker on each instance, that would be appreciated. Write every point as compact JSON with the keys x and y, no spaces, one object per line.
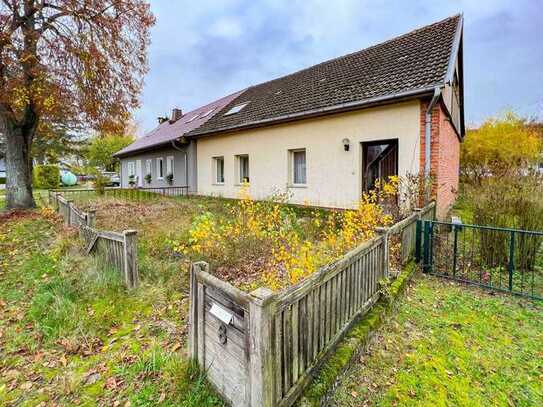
{"x":18,"y":168}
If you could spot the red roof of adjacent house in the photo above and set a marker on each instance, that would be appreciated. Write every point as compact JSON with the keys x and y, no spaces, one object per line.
{"x":164,"y":133}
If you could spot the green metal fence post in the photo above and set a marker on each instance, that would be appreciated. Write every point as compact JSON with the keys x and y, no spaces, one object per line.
{"x":426,"y":248}
{"x":511,"y":260}
{"x":455,"y":248}
{"x":418,"y":241}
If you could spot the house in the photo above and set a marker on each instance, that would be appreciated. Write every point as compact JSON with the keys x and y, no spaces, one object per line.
{"x":326,"y":133}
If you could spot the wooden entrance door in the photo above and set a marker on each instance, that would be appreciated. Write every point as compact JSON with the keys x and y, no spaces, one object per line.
{"x":379,"y":161}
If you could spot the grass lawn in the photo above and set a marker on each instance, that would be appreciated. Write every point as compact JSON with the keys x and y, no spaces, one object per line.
{"x":70,"y":333}
{"x":449,"y":345}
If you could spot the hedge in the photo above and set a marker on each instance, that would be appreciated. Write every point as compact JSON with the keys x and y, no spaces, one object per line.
{"x":46,"y":176}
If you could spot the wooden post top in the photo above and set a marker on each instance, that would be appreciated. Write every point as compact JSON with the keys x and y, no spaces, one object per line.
{"x":261,"y":293}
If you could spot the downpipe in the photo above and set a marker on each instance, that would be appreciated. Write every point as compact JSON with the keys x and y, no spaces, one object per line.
{"x":186,"y":161}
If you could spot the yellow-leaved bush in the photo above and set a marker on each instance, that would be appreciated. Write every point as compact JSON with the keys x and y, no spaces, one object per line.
{"x":274,"y":238}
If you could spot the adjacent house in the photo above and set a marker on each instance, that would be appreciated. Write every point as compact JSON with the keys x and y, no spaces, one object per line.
{"x":326,"y":133}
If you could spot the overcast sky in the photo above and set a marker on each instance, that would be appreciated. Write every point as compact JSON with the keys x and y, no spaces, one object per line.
{"x":203,"y":50}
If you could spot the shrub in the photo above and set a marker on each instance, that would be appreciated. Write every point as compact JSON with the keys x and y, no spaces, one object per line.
{"x":271,"y":235}
{"x":514,"y":201}
{"x":46,"y":176}
{"x":132,"y":180}
{"x":169,"y":178}
{"x":148,"y":178}
{"x":100,"y":182}
{"x":2,"y":180}
{"x":500,"y":147}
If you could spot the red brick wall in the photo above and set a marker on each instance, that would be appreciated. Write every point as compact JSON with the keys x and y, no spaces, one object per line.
{"x":445,"y":158}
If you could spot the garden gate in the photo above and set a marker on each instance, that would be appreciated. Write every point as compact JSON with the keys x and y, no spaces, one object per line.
{"x":500,"y":259}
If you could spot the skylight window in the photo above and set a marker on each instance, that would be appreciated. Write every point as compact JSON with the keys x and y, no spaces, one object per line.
{"x":207,"y":113}
{"x":236,"y":109}
{"x":192,"y":118}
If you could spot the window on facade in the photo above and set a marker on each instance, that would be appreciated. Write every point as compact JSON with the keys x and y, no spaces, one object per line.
{"x":219,"y":169}
{"x":160,"y":168}
{"x":298,"y":167}
{"x":169,"y":165}
{"x":379,"y":161}
{"x":243,"y":168}
{"x":131,"y":168}
{"x":148,"y":164}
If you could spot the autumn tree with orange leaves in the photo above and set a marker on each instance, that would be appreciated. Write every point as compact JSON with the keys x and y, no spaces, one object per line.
{"x":70,"y":62}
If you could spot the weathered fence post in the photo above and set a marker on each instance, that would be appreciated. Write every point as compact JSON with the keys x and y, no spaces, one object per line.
{"x":68,"y":215}
{"x":193,"y":313}
{"x":260,"y":352}
{"x":383,"y":231}
{"x":196,"y":316}
{"x":131,"y":276}
{"x":91,"y":218}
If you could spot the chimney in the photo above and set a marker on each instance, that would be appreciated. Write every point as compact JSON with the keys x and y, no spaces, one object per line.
{"x":176,"y":114}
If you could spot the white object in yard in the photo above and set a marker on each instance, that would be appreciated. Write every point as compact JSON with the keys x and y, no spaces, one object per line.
{"x":455,"y":220}
{"x":221,"y":313}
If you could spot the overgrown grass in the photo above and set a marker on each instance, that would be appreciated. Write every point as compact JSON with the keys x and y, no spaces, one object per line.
{"x":165,"y":224}
{"x":70,"y":333}
{"x":451,"y":345}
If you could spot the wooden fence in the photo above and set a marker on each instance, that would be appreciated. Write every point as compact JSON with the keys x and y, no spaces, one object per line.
{"x":130,"y":193}
{"x":263,"y":348}
{"x":118,"y":250}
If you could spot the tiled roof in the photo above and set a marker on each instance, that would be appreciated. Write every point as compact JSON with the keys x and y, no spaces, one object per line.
{"x":416,"y":60}
{"x":166,"y":132}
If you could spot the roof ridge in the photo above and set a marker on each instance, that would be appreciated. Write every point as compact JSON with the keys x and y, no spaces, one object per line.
{"x":425,"y":27}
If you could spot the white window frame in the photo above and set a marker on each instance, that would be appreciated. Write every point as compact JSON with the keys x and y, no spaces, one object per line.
{"x":239,"y":159}
{"x":170,"y":165}
{"x":216,"y":161}
{"x":149,"y":167}
{"x":291,"y":169}
{"x":131,"y":168}
{"x":160,"y":168}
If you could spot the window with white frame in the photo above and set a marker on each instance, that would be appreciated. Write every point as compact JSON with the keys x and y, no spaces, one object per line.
{"x":218,"y":163}
{"x":131,"y":168}
{"x":148,"y":164}
{"x":169,"y":165}
{"x":243,"y":168}
{"x":160,"y":168}
{"x":298,"y":169}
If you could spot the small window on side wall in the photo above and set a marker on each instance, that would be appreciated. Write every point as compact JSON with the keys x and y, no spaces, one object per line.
{"x":131,"y":168}
{"x":160,"y":168}
{"x":243,"y":168}
{"x":298,"y":167}
{"x":218,"y":163}
{"x":169,"y":166}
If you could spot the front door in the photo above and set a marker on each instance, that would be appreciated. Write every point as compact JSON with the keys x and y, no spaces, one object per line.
{"x":139,"y":173}
{"x":379,"y":161}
